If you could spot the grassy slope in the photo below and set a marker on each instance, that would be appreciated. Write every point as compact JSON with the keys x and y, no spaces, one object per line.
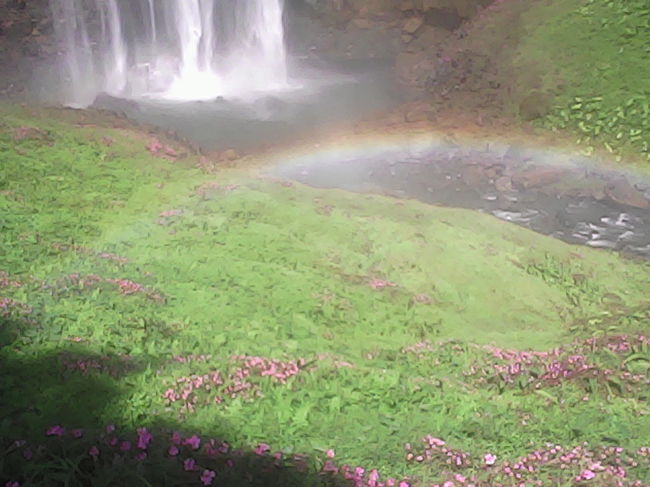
{"x":263,"y":269}
{"x":593,"y":55}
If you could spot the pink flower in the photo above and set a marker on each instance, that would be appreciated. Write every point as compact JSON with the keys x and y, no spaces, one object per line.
{"x":110,"y":428}
{"x":587,"y":475}
{"x":189,"y":464}
{"x":490,"y":459}
{"x":193,"y":441}
{"x":173,"y":451}
{"x":77,"y":433}
{"x":330,"y":453}
{"x":177,"y":439}
{"x":262,"y":448}
{"x":207,"y":477}
{"x":12,"y":484}
{"x":141,"y":457}
{"x":94,"y":452}
{"x":144,"y":438}
{"x":125,"y":446}
{"x":28,"y":453}
{"x":55,"y":430}
{"x":404,"y":484}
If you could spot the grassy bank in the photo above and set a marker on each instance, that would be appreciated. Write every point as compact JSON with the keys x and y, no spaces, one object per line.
{"x":593,"y":57}
{"x":139,"y":292}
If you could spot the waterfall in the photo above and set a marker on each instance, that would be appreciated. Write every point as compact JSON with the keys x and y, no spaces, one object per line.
{"x":170,"y":49}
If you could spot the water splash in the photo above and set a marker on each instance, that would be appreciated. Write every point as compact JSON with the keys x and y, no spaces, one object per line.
{"x":170,"y":49}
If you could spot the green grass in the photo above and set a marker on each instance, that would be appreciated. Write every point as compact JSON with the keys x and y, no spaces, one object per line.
{"x":593,"y":56}
{"x":240,"y":265}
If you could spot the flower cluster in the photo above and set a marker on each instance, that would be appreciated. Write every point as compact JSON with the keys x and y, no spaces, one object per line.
{"x":551,"y":465}
{"x":242,"y":380}
{"x":10,"y":307}
{"x":126,"y":287}
{"x":360,"y":477}
{"x":206,"y":190}
{"x":79,"y":249}
{"x":603,"y":361}
{"x":202,"y":460}
{"x":576,"y":363}
{"x":7,"y":281}
{"x":437,"y":450}
{"x":380,"y":283}
{"x":158,"y":149}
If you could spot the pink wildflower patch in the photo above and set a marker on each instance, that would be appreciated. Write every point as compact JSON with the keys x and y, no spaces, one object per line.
{"x":94,"y":452}
{"x":380,"y":284}
{"x":158,"y":149}
{"x":193,"y":441}
{"x":242,"y":380}
{"x":7,"y":281}
{"x":144,"y":438}
{"x":489,"y":459}
{"x":207,"y":477}
{"x":55,"y":430}
{"x":262,"y":449}
{"x":586,"y":475}
{"x":189,"y":465}
{"x":9,"y":306}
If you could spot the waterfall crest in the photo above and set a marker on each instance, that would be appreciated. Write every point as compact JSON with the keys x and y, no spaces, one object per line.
{"x":170,"y":49}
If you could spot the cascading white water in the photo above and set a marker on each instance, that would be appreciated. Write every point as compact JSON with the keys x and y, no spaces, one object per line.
{"x":171,"y":49}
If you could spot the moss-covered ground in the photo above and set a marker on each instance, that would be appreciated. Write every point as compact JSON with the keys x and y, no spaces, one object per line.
{"x":141,"y":292}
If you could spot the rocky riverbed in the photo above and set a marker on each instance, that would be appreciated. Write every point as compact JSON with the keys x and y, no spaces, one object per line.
{"x":567,"y":197}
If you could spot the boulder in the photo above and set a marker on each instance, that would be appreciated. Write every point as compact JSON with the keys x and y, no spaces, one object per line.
{"x":536,"y":177}
{"x":412,"y":25}
{"x":503,"y":184}
{"x":474,"y":175}
{"x":621,"y":191}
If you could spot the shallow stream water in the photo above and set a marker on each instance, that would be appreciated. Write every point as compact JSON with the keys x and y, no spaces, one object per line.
{"x":321,"y":96}
{"x":566,"y":197}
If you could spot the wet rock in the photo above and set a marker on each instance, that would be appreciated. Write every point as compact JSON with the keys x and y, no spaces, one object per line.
{"x":538,"y":176}
{"x":622,"y":192}
{"x":362,"y":24}
{"x":503,"y":184}
{"x":412,"y":25}
{"x":414,"y":69}
{"x":428,"y":38}
{"x":474,"y":175}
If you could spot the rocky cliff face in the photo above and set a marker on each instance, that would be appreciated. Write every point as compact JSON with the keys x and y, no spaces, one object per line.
{"x":411,"y":34}
{"x":25,"y":41}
